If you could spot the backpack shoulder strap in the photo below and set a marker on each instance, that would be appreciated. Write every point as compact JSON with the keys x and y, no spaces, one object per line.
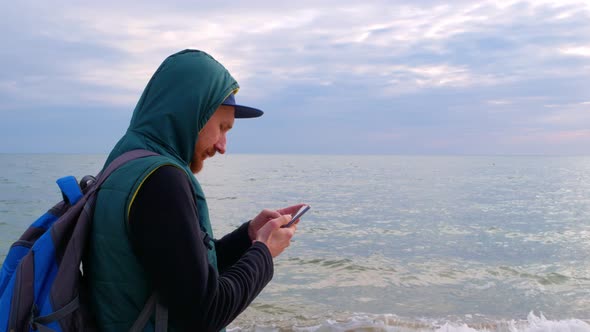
{"x":152,"y":304}
{"x":119,"y":161}
{"x":161,"y":321}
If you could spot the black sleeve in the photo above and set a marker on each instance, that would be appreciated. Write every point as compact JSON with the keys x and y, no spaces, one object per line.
{"x":168,"y":242}
{"x":232,"y":246}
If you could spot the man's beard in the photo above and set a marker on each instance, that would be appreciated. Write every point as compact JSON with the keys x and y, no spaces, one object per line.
{"x":199,"y":161}
{"x":197,"y":166}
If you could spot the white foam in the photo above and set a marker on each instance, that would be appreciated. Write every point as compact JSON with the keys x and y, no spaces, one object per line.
{"x":455,"y":328}
{"x":541,"y":324}
{"x":391,"y":323}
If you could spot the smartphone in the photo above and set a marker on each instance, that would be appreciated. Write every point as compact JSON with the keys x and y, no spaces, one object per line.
{"x":297,"y":215}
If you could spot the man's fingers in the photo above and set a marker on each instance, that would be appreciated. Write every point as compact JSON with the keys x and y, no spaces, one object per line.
{"x":270,"y":214}
{"x":285,"y":219}
{"x":291,"y":231}
{"x":291,"y":209}
{"x":278,"y":222}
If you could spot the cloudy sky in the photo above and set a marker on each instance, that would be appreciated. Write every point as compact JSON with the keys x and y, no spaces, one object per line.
{"x":337,"y":77}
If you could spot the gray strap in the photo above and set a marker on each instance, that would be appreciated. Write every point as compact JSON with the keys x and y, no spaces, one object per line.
{"x":145,"y":314}
{"x":152,"y":303}
{"x":161,"y":318}
{"x":119,"y":161}
{"x":59,"y":314}
{"x":43,"y":328}
{"x":40,"y":322}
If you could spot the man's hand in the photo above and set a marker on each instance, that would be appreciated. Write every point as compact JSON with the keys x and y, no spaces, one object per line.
{"x":266,"y":228}
{"x":267,"y":215}
{"x":276,"y":238}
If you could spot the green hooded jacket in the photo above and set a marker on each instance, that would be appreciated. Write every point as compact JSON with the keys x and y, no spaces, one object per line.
{"x":176,"y":104}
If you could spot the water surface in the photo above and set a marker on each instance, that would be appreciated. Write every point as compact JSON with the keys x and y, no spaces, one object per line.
{"x":392,"y":242}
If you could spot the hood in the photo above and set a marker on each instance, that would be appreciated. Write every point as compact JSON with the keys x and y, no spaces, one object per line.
{"x":176,"y":104}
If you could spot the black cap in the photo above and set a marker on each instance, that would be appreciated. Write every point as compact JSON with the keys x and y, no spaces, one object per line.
{"x":242,"y":111}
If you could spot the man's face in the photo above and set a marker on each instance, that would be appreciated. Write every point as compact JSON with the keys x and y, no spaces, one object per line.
{"x":212,"y":137}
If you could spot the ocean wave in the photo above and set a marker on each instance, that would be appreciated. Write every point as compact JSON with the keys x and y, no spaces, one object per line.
{"x":380,"y":271}
{"x":392,"y":323}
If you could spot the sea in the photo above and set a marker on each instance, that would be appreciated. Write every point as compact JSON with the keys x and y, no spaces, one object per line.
{"x":391,"y":243}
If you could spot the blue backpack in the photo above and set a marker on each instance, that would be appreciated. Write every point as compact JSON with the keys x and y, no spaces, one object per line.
{"x":42,"y":287}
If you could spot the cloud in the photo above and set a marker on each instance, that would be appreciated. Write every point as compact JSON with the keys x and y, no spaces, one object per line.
{"x":537,"y":135}
{"x":300,"y":41}
{"x":576,"y":115}
{"x":499,"y":102}
{"x":576,"y":50}
{"x":464,"y":63}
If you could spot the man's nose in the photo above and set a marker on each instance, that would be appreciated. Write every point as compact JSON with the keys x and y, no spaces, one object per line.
{"x":220,"y":144}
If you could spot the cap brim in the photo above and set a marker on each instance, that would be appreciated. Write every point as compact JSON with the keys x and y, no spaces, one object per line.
{"x":242,"y":112}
